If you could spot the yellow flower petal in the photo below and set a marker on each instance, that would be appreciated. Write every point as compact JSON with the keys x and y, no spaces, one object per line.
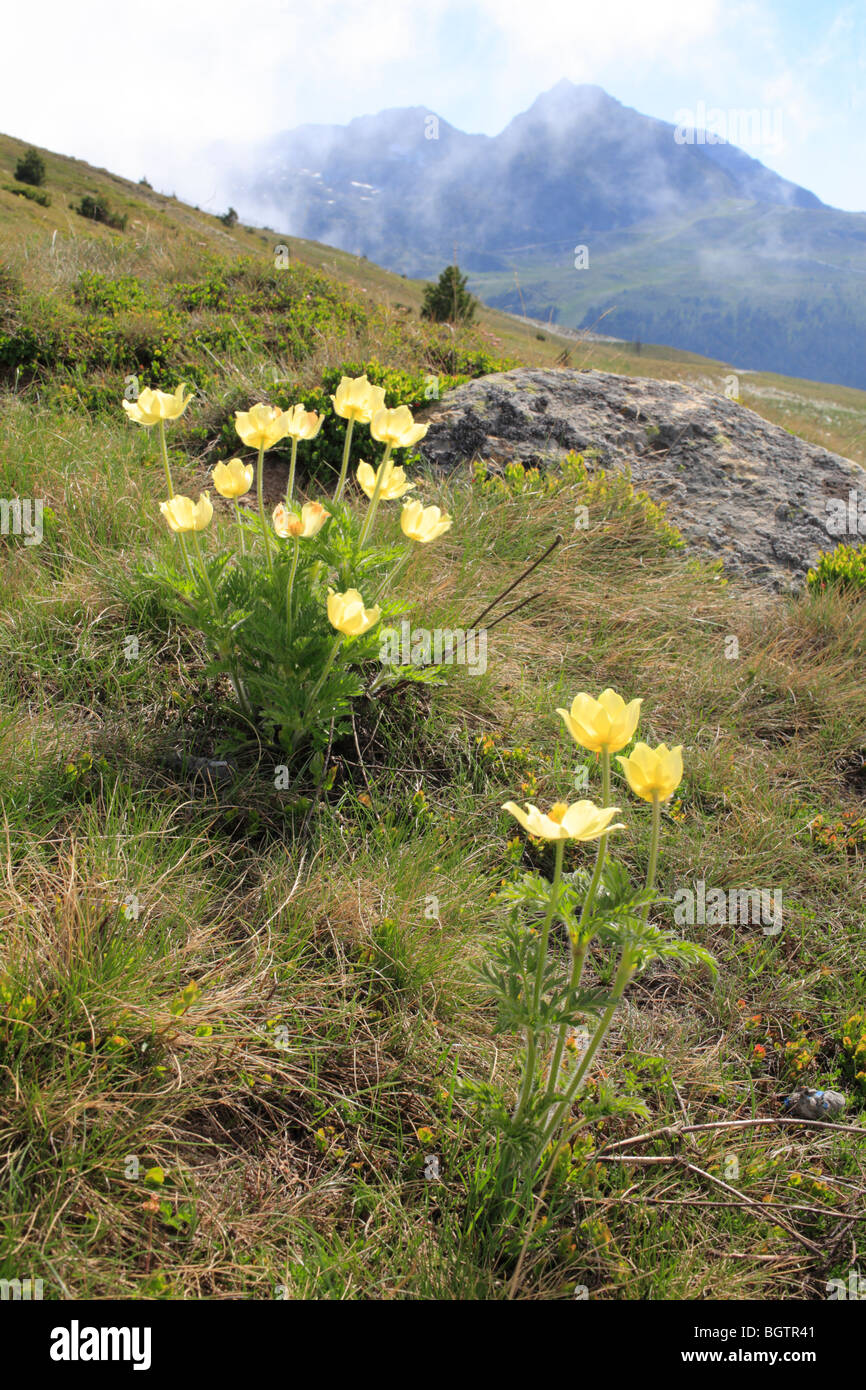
{"x":262,"y":426}
{"x":396,"y":427}
{"x":424,"y":524}
{"x":607,"y":722}
{"x":346,"y":612}
{"x":581,"y":821}
{"x":653,"y":773}
{"x":233,"y":479}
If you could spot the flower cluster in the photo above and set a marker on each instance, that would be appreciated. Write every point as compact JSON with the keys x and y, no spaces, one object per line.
{"x":605,"y":726}
{"x":260,"y":428}
{"x":547,"y":1002}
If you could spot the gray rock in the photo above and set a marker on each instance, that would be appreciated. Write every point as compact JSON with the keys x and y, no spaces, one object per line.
{"x":737,"y":487}
{"x":808,"y":1104}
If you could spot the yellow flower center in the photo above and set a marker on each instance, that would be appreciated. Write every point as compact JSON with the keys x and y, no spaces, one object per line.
{"x":557,"y":811}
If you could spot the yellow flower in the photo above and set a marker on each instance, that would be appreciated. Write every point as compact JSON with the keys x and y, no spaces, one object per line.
{"x":581,"y":821}
{"x":153,"y":406}
{"x":303,"y":424}
{"x":607,"y":722}
{"x":422,"y":523}
{"x":653,"y":773}
{"x":357,"y":399}
{"x":310,"y":522}
{"x":396,"y":427}
{"x":346,"y":612}
{"x":394,"y":482}
{"x":182,"y":514}
{"x":262,"y":426}
{"x":233,"y":479}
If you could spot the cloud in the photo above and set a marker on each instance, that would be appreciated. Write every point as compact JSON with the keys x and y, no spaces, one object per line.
{"x":146,"y":93}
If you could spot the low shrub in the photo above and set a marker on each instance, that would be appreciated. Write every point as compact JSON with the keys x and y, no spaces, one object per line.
{"x":98,"y":209}
{"x":842,"y":568}
{"x":35,"y":195}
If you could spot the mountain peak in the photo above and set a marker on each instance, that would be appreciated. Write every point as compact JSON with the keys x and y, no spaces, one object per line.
{"x":574,"y":95}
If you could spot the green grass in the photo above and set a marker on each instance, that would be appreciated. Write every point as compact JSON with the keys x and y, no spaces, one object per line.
{"x":294,"y":1098}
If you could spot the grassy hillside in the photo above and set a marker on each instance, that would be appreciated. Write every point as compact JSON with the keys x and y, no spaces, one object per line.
{"x":167,"y":242}
{"x":236,"y":1026}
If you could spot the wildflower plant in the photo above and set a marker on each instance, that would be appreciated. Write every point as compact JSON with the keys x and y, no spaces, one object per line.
{"x":541,"y":991}
{"x":290,"y":606}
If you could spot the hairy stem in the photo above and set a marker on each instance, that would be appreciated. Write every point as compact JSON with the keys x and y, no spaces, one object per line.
{"x":261,"y":499}
{"x":579,"y":944}
{"x":291,"y":483}
{"x":374,"y":500}
{"x":290,"y":587}
{"x":165,"y":463}
{"x":347,"y":448}
{"x":240,"y":527}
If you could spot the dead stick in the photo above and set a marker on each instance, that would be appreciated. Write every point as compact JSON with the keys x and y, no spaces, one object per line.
{"x":750,"y":1202}
{"x":742,"y":1200}
{"x":519,"y":580}
{"x":670,"y":1131}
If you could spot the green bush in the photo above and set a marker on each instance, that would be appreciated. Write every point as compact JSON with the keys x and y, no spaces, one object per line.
{"x":30,"y":168}
{"x":35,"y":195}
{"x":97,"y":209}
{"x":842,"y":568}
{"x":107,"y":296}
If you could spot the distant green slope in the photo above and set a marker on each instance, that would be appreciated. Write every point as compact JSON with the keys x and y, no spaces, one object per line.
{"x":720,"y":282}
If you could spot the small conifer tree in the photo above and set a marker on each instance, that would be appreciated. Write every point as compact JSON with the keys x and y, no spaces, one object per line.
{"x":31,"y":168}
{"x":449,"y":301}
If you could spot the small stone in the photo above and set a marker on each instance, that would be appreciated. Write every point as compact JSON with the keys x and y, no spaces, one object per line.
{"x":808,"y":1104}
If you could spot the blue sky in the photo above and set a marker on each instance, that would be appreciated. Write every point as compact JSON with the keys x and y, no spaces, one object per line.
{"x":146,"y":93}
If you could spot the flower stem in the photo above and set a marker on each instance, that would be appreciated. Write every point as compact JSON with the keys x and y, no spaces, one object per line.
{"x":579,"y":944}
{"x":204,"y":573}
{"x":555,"y":1119}
{"x":291,"y":586}
{"x":347,"y":447}
{"x":165,"y":463}
{"x":531,"y":1045}
{"x":528,"y":1076}
{"x":654,"y":850}
{"x":183,"y":548}
{"x":240,"y":526}
{"x":545,"y":931}
{"x":291,"y":484}
{"x":325,"y":671}
{"x":374,"y":500}
{"x":623,"y":975}
{"x":389,"y":580}
{"x":259,"y":473}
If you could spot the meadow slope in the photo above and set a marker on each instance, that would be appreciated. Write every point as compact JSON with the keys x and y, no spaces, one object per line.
{"x":231,"y":1022}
